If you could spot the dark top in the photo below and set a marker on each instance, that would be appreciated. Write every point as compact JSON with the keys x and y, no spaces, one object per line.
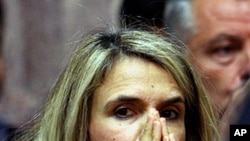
{"x":5,"y":131}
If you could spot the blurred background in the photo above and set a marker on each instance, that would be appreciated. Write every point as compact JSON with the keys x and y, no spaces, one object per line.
{"x":36,"y":39}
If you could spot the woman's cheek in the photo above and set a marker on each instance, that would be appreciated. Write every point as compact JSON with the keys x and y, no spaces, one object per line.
{"x":179,"y":134}
{"x":113,"y":132}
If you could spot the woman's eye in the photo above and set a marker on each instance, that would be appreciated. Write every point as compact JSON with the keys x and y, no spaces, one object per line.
{"x":124,"y":112}
{"x":169,"y":114}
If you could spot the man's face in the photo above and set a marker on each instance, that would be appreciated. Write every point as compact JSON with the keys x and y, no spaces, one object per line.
{"x":220,"y":46}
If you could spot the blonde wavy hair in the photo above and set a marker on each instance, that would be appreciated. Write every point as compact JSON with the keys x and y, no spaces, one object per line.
{"x":66,"y":115}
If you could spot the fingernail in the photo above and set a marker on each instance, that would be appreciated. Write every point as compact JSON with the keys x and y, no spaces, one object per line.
{"x":152,"y":110}
{"x":156,"y":124}
{"x":171,"y":136}
{"x":157,"y":114}
{"x":163,"y":121}
{"x":166,"y":138}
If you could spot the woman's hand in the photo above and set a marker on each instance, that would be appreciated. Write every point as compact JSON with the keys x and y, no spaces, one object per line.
{"x":165,"y":133}
{"x":155,"y":129}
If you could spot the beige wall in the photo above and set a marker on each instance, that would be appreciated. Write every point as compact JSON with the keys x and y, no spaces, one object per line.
{"x":39,"y":36}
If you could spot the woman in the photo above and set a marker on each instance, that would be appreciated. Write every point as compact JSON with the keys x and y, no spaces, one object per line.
{"x":128,"y":85}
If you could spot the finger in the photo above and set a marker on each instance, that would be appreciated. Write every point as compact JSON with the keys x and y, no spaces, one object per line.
{"x":146,"y":133}
{"x":165,"y":131}
{"x":156,"y":131}
{"x":165,"y":138}
{"x":156,"y":115}
{"x":142,"y":126}
{"x":171,"y":137}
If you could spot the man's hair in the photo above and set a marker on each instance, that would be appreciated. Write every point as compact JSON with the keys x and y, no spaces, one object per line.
{"x":175,"y":16}
{"x":137,"y":13}
{"x":178,"y":18}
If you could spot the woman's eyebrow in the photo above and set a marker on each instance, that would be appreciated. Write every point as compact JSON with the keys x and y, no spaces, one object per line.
{"x":173,"y":100}
{"x":121,"y":99}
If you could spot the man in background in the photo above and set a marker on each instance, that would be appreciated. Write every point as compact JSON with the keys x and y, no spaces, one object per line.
{"x":218,"y":36}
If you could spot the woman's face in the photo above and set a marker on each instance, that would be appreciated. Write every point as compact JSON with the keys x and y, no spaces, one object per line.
{"x":137,"y":100}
